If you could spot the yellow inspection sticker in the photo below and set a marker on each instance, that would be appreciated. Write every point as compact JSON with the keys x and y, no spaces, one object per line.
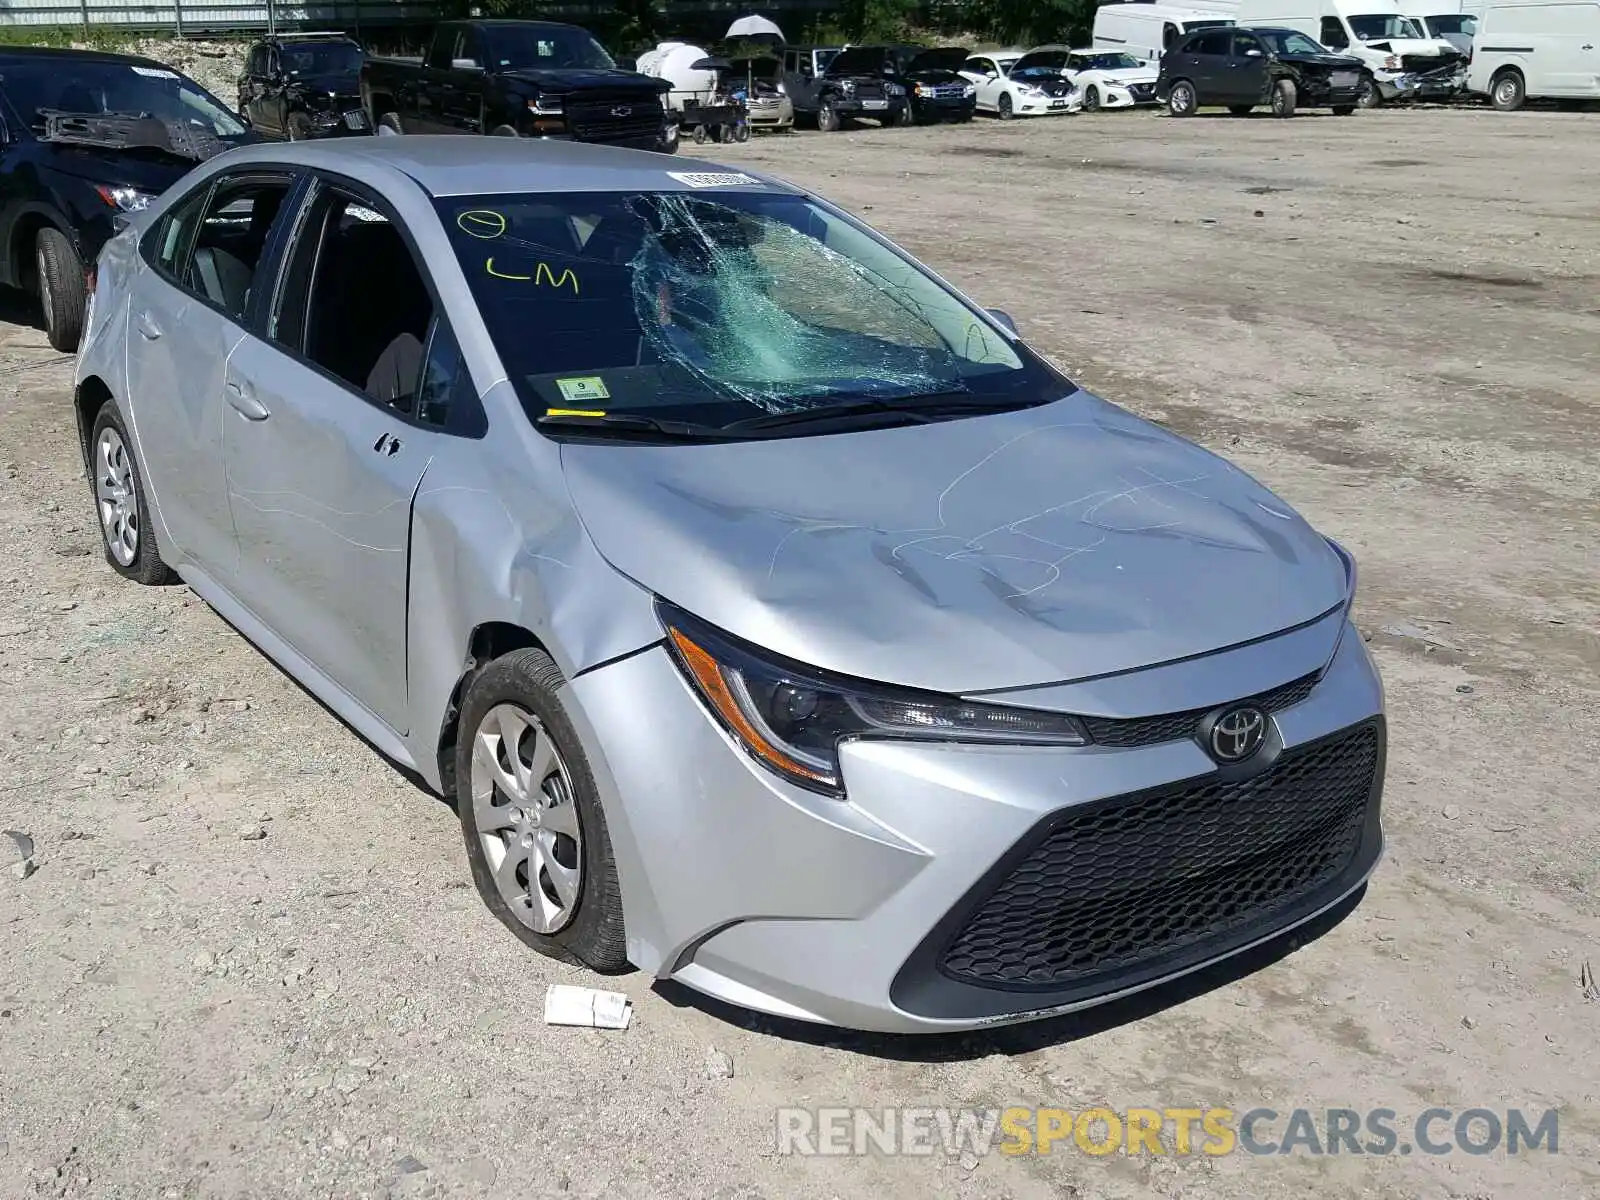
{"x":583,"y":389}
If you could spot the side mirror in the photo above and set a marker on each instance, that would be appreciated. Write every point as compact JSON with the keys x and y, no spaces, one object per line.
{"x":1003,"y":319}
{"x":1252,"y":54}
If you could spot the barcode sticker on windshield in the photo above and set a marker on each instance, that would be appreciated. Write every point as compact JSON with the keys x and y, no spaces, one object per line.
{"x":704,"y":179}
{"x":155,"y":73}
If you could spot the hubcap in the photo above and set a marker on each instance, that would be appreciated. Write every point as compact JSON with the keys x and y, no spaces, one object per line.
{"x":118,"y":502}
{"x":45,"y":298}
{"x":1508,"y":91}
{"x":522,"y":804}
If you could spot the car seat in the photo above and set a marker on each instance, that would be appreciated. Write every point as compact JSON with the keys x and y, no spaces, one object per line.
{"x":224,"y":278}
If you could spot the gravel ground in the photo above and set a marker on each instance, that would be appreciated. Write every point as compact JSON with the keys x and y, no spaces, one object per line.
{"x":248,"y":961}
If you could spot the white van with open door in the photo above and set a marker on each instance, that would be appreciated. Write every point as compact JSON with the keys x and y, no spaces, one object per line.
{"x":1402,"y":61}
{"x":1546,"y":49}
{"x":1147,"y":31}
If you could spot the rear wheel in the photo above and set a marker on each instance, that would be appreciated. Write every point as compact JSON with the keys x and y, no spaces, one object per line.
{"x":502,"y":131}
{"x":129,"y":540}
{"x":1241,"y":110}
{"x":298,"y":127}
{"x":1284,"y":98}
{"x":1006,"y":109}
{"x":61,"y":291}
{"x":1508,"y":92}
{"x":389,"y":125}
{"x":1181,"y":99}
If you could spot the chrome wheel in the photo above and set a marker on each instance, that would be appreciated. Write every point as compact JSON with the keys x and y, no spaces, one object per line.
{"x":118,"y":502}
{"x":522,"y":806}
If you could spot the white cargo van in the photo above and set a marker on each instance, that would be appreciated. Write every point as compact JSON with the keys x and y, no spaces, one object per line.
{"x":1549,"y":48}
{"x":1401,"y":59}
{"x":1147,"y":31}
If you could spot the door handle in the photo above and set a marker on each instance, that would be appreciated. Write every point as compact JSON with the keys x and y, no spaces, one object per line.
{"x":387,"y":444}
{"x":148,"y":329}
{"x":243,"y":400}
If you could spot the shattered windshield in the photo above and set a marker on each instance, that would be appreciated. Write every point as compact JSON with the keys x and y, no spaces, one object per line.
{"x":1377,"y":26}
{"x":320,"y":58}
{"x":715,"y":308}
{"x":93,"y":87}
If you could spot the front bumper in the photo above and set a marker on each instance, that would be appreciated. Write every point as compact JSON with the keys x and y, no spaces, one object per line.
{"x":1128,"y":97}
{"x":1043,"y":106}
{"x":1432,"y":85}
{"x":849,"y":912}
{"x":887,"y":111}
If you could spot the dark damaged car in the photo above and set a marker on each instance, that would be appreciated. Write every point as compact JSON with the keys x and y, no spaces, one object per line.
{"x":1243,"y":68}
{"x":895,"y":85}
{"x":88,"y":139}
{"x":303,"y":85}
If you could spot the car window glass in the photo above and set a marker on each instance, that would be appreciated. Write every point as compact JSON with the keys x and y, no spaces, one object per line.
{"x":1169,"y":34}
{"x":231,"y":241}
{"x":1210,"y":43}
{"x":353,"y":301}
{"x":166,"y":245}
{"x":1333,"y":33}
{"x":1243,"y":43}
{"x":446,"y":396}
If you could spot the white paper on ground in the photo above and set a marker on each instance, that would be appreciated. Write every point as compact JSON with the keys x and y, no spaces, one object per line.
{"x":565,"y":1004}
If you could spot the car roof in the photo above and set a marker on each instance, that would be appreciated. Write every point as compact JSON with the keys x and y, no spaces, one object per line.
{"x":14,"y":53}
{"x":446,"y":165}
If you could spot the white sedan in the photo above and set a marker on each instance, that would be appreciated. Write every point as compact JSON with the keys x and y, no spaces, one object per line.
{"x":1008,"y":92}
{"x":1104,"y":78}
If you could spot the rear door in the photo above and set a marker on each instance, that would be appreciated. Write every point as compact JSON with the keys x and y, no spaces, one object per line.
{"x":342,"y":384}
{"x":187,"y":314}
{"x":1567,"y":48}
{"x":1209,"y":56}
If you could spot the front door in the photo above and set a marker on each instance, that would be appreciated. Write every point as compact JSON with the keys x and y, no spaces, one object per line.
{"x":1244,"y":78}
{"x":325,"y":451}
{"x":187,"y":314}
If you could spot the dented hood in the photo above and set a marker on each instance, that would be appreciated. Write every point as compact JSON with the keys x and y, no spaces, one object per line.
{"x":1038,"y":546}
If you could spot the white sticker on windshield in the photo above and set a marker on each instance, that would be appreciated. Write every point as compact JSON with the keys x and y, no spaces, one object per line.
{"x":155,"y":72}
{"x":704,"y":179}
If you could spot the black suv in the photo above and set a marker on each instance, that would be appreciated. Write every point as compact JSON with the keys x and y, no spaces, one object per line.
{"x":804,"y":68}
{"x":85,"y":139}
{"x":895,"y":85}
{"x":1241,"y":68}
{"x":303,"y":85}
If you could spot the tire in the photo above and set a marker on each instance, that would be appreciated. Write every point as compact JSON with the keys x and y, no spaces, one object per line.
{"x":1343,"y":110}
{"x":1370,"y":97}
{"x":1091,"y":99}
{"x":1006,"y":111}
{"x":126,"y":534}
{"x":298,"y":127}
{"x":741,"y":131}
{"x":582,"y":920}
{"x":1241,"y":110}
{"x":388,"y":125}
{"x":1284,"y":98}
{"x":61,"y":289}
{"x":670,"y":142}
{"x":1181,"y":99}
{"x":503,"y":131}
{"x":699,"y":135}
{"x":1508,"y":91}
{"x":827,"y":117}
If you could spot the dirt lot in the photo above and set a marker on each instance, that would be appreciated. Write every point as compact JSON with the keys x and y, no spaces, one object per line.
{"x":1393,"y":319}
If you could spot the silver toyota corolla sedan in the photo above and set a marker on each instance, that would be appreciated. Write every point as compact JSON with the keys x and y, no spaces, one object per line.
{"x":778,"y":621}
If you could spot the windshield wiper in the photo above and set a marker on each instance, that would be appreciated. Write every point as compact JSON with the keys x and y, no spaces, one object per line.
{"x":919,"y":410}
{"x":624,"y":424}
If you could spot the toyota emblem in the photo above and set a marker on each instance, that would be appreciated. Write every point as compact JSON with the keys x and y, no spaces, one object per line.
{"x":621,"y":110}
{"x":1237,"y":734}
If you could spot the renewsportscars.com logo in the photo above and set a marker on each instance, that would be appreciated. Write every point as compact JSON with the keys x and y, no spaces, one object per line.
{"x":1164,"y":1131}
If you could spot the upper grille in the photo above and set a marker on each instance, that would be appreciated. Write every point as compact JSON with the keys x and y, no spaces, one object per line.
{"x":1424,"y":63}
{"x":1169,"y":727}
{"x":1142,"y":91}
{"x":593,"y":121}
{"x":1120,"y":884}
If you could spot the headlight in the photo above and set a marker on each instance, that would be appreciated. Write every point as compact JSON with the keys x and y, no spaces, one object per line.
{"x":1392,"y":63}
{"x":791,"y":718}
{"x":1027,"y":89}
{"x":124,"y":199}
{"x":969,"y":90}
{"x":546,"y":106}
{"x":848,"y":87}
{"x":916,"y":90}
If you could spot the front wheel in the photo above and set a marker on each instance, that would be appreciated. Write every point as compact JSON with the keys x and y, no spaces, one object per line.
{"x":827,"y":117}
{"x":119,"y":501}
{"x":1181,"y":99}
{"x":1508,"y":92}
{"x":298,"y":127}
{"x":1284,"y":98}
{"x":1091,"y":99}
{"x":1369,"y":96}
{"x":1006,"y":109}
{"x":389,"y":125}
{"x":531,"y":817}
{"x":61,"y":289}
{"x":503,"y":131}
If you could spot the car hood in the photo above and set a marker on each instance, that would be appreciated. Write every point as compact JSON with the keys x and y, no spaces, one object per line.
{"x":946,"y":59}
{"x":1039,"y":546}
{"x":1127,"y":75}
{"x":338,"y":83}
{"x":576,"y":79}
{"x":935,"y":75}
{"x":1334,"y":61}
{"x":1411,"y":46}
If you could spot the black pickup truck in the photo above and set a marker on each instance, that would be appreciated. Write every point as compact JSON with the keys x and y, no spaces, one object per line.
{"x":517,"y":79}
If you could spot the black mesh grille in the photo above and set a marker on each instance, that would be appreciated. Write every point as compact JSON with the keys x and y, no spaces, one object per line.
{"x":1169,"y":727}
{"x":1119,"y":883}
{"x":594,"y":120}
